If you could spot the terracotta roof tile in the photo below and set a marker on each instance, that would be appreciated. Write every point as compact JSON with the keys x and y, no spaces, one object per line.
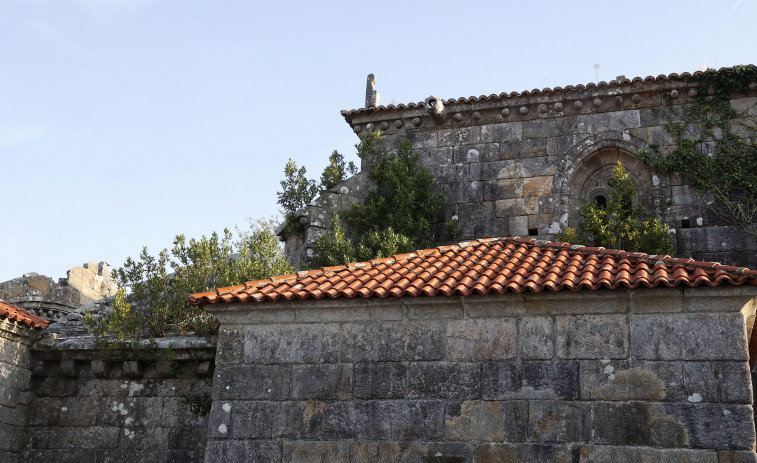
{"x":496,"y":265}
{"x":348,"y":114}
{"x":18,"y":314}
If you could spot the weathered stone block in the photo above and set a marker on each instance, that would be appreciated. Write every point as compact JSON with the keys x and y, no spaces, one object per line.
{"x":481,"y":339}
{"x":616,"y":121}
{"x":591,"y":336}
{"x":503,"y":189}
{"x":716,"y":426}
{"x":535,"y":338}
{"x":530,"y":379}
{"x":477,"y":421}
{"x":496,"y":133}
{"x":737,"y":456}
{"x":252,"y":382}
{"x":518,"y":206}
{"x":721,"y":299}
{"x":322,"y":381}
{"x":329,"y":452}
{"x":255,"y":420}
{"x":494,"y":305}
{"x":559,"y":421}
{"x":142,"y":438}
{"x":406,"y":420}
{"x":176,"y":413}
{"x":443,"y":380}
{"x":296,"y":343}
{"x":459,"y":136}
{"x":638,"y":423}
{"x":393,"y":341}
{"x":486,"y":152}
{"x":734,"y":382}
{"x":719,"y":336}
{"x":537,"y":186}
{"x":543,"y":453}
{"x":438,"y":308}
{"x":632,"y":380}
{"x":518,"y":225}
{"x":223,"y":451}
{"x":602,"y":454}
{"x":187,"y":439}
{"x":385,"y":380}
{"x":552,"y":127}
{"x":523,"y":148}
{"x":329,"y":420}
{"x":90,"y":437}
{"x":583,"y":302}
{"x":656,"y":300}
{"x":425,"y":452}
{"x":701,"y":380}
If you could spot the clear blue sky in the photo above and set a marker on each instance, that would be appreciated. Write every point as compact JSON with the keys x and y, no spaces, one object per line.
{"x":126,"y":122}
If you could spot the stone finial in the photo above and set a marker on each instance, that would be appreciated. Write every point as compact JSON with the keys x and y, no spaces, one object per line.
{"x":435,"y":108}
{"x":372,"y":96}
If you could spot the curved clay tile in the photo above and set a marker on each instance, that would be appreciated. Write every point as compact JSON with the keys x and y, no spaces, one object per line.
{"x":480,"y":267}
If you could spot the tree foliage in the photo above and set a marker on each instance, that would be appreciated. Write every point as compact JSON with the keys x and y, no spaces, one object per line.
{"x":157,"y":299}
{"x":396,"y":216}
{"x":296,"y":189}
{"x":622,"y":223}
{"x":336,"y":171}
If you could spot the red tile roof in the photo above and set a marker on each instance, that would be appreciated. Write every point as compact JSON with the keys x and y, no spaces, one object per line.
{"x":496,"y":265}
{"x":347,"y":114}
{"x":21,"y":315}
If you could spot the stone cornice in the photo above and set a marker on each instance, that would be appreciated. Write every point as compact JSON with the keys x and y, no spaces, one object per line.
{"x":629,"y":94}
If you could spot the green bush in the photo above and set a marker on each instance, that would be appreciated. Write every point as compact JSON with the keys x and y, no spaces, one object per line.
{"x":622,"y":223}
{"x":157,"y":299}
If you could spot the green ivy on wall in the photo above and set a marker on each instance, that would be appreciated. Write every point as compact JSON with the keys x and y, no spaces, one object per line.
{"x":715,"y":147}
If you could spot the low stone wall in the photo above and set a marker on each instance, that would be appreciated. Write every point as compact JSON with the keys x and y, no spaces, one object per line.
{"x":87,"y":409}
{"x":15,"y":395}
{"x":592,"y":376}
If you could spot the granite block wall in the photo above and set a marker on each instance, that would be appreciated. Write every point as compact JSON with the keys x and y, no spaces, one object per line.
{"x":89,"y":409}
{"x":625,"y":376}
{"x":15,"y":393}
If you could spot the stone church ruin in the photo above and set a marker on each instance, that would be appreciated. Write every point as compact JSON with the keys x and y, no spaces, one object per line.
{"x":487,"y":350}
{"x":519,"y":164}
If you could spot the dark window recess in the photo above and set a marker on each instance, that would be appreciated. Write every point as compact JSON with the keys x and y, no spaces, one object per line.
{"x":601,"y":201}
{"x":533,"y":231}
{"x":685,"y":223}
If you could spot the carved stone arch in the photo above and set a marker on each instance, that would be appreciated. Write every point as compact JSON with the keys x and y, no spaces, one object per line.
{"x":585,"y":169}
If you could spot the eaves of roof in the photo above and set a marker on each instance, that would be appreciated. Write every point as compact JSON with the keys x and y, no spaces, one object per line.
{"x":20,"y":315}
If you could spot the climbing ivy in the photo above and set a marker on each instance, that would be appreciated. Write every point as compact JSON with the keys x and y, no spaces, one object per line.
{"x":717,"y":152}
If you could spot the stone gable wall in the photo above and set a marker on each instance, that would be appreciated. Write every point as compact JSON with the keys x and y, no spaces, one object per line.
{"x":86,"y":409}
{"x":624,"y":376}
{"x":520,"y":165}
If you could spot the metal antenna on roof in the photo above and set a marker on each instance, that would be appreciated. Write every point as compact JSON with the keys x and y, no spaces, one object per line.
{"x":372,"y":96}
{"x":596,"y":72}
